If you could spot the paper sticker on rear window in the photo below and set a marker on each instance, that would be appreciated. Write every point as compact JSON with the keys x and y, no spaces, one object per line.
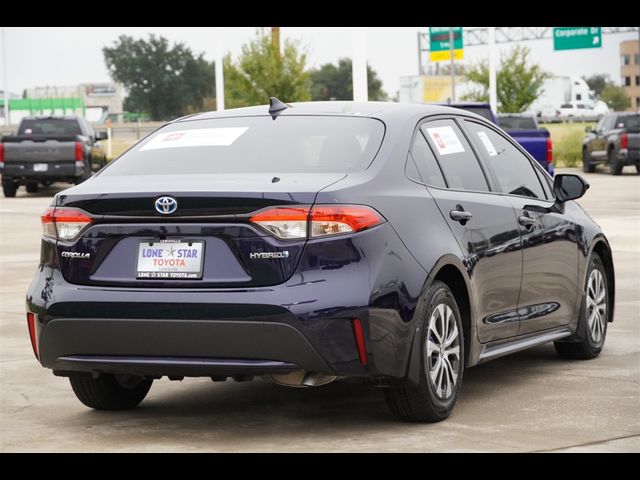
{"x":488,"y":146}
{"x":445,"y":140}
{"x":198,"y":137}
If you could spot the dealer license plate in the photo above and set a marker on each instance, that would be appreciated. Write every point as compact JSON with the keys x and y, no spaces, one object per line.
{"x":173,"y":259}
{"x":40,"y":167}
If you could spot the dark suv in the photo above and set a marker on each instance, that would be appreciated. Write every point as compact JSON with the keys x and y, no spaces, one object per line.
{"x":614,"y":142}
{"x":392,"y":244}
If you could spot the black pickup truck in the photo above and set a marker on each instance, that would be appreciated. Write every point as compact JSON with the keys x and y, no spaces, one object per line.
{"x":47,"y":150}
{"x":614,"y":142}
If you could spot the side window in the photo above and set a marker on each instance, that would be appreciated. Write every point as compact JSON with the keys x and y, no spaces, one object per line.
{"x":600,"y":125}
{"x":456,"y":159}
{"x":426,"y":164}
{"x":511,"y":168}
{"x":547,"y":184}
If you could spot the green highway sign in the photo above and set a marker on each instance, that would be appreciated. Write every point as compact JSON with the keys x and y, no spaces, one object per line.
{"x":439,"y":44}
{"x":569,"y":38}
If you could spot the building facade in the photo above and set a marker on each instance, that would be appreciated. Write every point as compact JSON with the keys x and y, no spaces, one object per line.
{"x":630,"y":71}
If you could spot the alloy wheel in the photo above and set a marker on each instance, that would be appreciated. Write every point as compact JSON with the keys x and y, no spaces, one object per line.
{"x":596,"y":306}
{"x":442,"y":362}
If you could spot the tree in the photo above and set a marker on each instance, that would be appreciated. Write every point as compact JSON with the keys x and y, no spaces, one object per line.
{"x":518,"y":82}
{"x":262,"y":72}
{"x":163,"y":80}
{"x":597,"y":82}
{"x":331,"y":82}
{"x":615,"y":97}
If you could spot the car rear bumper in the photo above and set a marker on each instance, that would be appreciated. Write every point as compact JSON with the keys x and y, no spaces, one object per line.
{"x":629,"y":156}
{"x":66,"y":169}
{"x":177,"y":347}
{"x":305,"y":323}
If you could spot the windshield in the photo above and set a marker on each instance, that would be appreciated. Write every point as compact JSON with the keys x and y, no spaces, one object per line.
{"x":517,"y":123}
{"x":288,"y":144}
{"x":49,"y":126}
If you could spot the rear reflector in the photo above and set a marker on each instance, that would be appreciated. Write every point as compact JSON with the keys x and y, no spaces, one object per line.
{"x":549,"y":151}
{"x":63,"y":223}
{"x":323,"y":220}
{"x":624,"y":141}
{"x":358,"y":333}
{"x":31,"y":323}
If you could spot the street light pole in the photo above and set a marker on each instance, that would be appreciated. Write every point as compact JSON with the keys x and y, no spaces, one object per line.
{"x":5,"y":88}
{"x":453,"y":66}
{"x":219,"y":74}
{"x":359,"y":66}
{"x":493,"y":89}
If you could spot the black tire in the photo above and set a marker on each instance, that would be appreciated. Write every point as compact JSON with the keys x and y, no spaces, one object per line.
{"x":422,"y":403}
{"x":110,"y":392}
{"x":32,"y":187}
{"x":9,"y":187}
{"x":615,"y":165}
{"x":587,"y":344}
{"x":587,"y":166}
{"x":638,"y":168}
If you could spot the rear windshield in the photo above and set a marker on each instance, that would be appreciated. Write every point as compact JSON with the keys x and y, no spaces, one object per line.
{"x":517,"y":123}
{"x":630,"y":122}
{"x":49,"y":126}
{"x":288,"y":144}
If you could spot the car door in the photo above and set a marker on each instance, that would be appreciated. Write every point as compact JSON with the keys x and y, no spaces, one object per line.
{"x":550,"y":253}
{"x":484,"y":224}
{"x":598,"y":145}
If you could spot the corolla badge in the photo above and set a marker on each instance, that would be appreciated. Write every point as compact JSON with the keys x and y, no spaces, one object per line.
{"x":166,"y":205}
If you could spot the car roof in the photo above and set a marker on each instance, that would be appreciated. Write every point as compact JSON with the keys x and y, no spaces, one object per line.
{"x":335,"y":108}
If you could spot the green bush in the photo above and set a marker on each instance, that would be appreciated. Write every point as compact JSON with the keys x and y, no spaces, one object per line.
{"x":567,"y":151}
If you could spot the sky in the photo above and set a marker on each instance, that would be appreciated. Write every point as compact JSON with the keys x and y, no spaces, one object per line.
{"x":65,"y":56}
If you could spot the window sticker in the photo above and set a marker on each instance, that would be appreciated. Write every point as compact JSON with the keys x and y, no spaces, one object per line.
{"x":488,"y":146}
{"x":199,"y":137}
{"x":445,"y":140}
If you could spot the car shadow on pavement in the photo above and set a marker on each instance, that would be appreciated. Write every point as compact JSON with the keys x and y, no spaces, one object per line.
{"x":260,"y":406}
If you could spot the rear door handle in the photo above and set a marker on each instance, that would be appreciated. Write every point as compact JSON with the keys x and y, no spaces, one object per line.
{"x":460,"y":216}
{"x":526,"y":221}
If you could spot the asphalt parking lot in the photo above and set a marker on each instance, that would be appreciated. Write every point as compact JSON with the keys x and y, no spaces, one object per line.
{"x":531,"y":401}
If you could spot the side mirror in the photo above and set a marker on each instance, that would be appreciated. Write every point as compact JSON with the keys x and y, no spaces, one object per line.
{"x":588,"y":129}
{"x":569,"y":187}
{"x":101,"y":136}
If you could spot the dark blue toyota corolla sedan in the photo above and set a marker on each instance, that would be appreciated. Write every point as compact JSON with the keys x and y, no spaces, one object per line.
{"x":394,"y":244}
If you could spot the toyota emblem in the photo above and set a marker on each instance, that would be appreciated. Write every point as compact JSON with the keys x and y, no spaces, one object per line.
{"x":166,"y":205}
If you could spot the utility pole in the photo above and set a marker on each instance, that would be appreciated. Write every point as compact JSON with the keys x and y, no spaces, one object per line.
{"x":493,"y":88}
{"x":275,"y":40}
{"x":453,"y":65}
{"x":5,"y":87}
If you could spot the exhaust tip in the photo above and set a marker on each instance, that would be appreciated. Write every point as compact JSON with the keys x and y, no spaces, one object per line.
{"x":301,"y":379}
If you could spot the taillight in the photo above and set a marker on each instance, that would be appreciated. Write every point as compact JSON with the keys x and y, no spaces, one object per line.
{"x":63,"y":223}
{"x":549,"y":151}
{"x":284,"y":222}
{"x":319,"y":221}
{"x":31,"y":323}
{"x":79,"y":154}
{"x":1,"y":154}
{"x":624,"y":141}
{"x":333,"y":219}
